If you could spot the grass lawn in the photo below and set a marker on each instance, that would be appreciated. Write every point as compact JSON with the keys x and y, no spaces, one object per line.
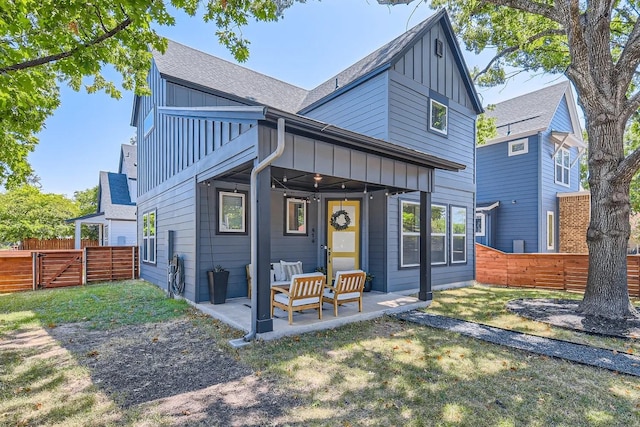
{"x":486,"y":304}
{"x":382,"y":372}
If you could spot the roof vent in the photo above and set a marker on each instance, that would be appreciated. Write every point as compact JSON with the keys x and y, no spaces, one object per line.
{"x":439,"y":50}
{"x":337,"y":85}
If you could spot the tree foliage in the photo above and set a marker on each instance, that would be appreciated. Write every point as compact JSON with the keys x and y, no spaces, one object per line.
{"x":26,"y":213}
{"x":87,"y":202}
{"x":45,"y":43}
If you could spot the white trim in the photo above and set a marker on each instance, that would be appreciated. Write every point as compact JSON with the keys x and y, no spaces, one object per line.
{"x":574,"y":194}
{"x":152,"y":114}
{"x":446,"y":117}
{"x":483,"y":219}
{"x":487,"y":208}
{"x":551,"y":238}
{"x":222,"y":226}
{"x":147,"y":238}
{"x":562,"y":151}
{"x":512,"y":137}
{"x":292,"y":200}
{"x":525,"y":149}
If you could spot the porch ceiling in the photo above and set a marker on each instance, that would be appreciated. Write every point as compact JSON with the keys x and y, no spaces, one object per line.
{"x":304,"y":181}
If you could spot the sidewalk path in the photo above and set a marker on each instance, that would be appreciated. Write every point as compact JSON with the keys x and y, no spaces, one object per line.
{"x":579,"y":353}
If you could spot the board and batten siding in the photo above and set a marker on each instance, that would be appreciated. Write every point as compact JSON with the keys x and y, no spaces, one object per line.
{"x":441,"y":74}
{"x":175,"y":210}
{"x":511,"y":180}
{"x":549,"y":188}
{"x":363,"y":109}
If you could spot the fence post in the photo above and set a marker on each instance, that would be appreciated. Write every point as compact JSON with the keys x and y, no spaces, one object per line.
{"x":34,"y":269}
{"x":84,"y":265}
{"x":133,"y":262}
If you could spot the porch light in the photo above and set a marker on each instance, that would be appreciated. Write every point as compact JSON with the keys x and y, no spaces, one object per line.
{"x":235,"y":190}
{"x":317,"y":177}
{"x":284,"y":178}
{"x":342,"y":186}
{"x":273,"y":184}
{"x":365,"y":189}
{"x":371,"y":196}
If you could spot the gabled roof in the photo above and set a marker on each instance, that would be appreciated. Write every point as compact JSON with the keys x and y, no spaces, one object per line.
{"x":186,"y":64}
{"x":113,"y":197}
{"x":192,"y":67}
{"x":533,"y":112}
{"x":129,"y":161}
{"x":384,"y":57}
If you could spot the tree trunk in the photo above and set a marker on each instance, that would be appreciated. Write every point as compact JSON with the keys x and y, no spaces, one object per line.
{"x":607,"y":293}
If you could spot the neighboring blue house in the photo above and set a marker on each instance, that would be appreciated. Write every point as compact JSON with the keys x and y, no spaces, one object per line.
{"x":116,"y":213}
{"x":534,"y":158}
{"x":369,"y":157}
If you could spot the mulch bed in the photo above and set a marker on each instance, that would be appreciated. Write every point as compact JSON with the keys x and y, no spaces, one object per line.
{"x":177,"y":369}
{"x":565,"y":314}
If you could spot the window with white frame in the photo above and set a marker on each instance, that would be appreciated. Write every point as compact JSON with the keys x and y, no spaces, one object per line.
{"x":551,"y":231}
{"x":438,"y":234}
{"x":563,"y":166}
{"x":149,"y":121}
{"x":295,"y":216}
{"x":458,"y":234}
{"x":479,"y":226}
{"x":519,"y":146}
{"x":410,"y":234}
{"x":438,"y":116}
{"x":149,"y":237}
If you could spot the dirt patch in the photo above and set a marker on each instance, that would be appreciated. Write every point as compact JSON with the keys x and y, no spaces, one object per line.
{"x":174,"y":369}
{"x":565,"y":314}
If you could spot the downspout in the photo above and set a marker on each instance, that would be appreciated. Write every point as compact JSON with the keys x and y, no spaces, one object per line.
{"x":254,"y":226}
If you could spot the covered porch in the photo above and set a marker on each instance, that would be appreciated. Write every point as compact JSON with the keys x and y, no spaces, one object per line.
{"x":289,"y":188}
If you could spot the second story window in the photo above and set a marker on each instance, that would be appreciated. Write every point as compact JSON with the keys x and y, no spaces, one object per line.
{"x":149,"y":121}
{"x":438,"y":116}
{"x":563,"y":166}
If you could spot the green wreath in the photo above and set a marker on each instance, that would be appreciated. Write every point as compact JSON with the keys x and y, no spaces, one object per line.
{"x":334,"y":220}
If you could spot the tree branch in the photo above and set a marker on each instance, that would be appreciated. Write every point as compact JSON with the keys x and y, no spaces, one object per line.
{"x":533,"y":7}
{"x":628,"y":167}
{"x":52,"y":58}
{"x":629,"y":58}
{"x":512,"y":49}
{"x":631,"y":105}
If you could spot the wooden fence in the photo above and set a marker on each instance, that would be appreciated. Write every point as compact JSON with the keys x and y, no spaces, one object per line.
{"x":546,"y":271}
{"x":46,"y":244}
{"x":30,"y":270}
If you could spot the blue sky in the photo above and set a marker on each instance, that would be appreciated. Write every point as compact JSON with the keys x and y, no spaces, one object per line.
{"x":310,"y":44}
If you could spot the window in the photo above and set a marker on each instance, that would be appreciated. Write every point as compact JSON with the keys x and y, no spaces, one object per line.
{"x":562,"y":167}
{"x":438,"y":117}
{"x":147,"y":124}
{"x":149,"y":237}
{"x":458,"y":235}
{"x":410,"y":232}
{"x":295,"y":217}
{"x":551,"y":231}
{"x":438,"y":234}
{"x":519,"y":146}
{"x":232,"y":216}
{"x":480,"y":219}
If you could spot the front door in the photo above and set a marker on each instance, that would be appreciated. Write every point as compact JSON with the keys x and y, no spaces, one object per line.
{"x":343,"y":236}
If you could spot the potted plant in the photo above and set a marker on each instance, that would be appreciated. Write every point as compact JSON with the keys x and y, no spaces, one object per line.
{"x":218,"y":279}
{"x":367,"y":282}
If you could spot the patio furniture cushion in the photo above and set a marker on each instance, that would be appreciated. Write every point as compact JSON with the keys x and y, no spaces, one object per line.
{"x":328,"y":293}
{"x":291,"y":268}
{"x":277,"y":275}
{"x":284,"y":299}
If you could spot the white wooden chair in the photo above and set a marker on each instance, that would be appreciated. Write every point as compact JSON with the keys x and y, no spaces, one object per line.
{"x":304,"y":292}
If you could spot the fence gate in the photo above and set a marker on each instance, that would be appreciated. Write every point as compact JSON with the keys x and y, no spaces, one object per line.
{"x":59,"y":268}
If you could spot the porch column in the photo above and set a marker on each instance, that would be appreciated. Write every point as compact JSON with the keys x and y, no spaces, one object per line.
{"x":77,"y":244}
{"x":264,"y":323}
{"x":425,"y":293}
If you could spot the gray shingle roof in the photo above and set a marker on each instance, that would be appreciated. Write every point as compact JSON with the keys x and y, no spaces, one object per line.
{"x":115,"y":200}
{"x":529,"y":112}
{"x":129,"y":161}
{"x":191,"y":65}
{"x":382,"y":56}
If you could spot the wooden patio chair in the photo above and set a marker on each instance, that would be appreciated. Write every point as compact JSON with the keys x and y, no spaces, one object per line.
{"x":347,"y":287}
{"x":304,"y":292}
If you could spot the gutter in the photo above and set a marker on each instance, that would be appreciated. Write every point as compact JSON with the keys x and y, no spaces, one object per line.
{"x":254,"y":226}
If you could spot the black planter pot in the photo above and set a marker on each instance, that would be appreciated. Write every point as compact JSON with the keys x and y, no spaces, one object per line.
{"x":367,"y":286}
{"x":218,"y":286}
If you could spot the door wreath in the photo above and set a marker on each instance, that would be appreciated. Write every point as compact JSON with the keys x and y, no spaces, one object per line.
{"x":342,"y":225}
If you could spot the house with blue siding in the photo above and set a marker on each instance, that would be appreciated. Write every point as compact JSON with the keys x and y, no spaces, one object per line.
{"x":115,"y":216}
{"x":236,"y":166}
{"x":521,"y":173}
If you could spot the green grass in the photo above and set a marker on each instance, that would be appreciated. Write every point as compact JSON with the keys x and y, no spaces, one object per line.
{"x":487,"y":305}
{"x":102,"y":306}
{"x":380,"y":372}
